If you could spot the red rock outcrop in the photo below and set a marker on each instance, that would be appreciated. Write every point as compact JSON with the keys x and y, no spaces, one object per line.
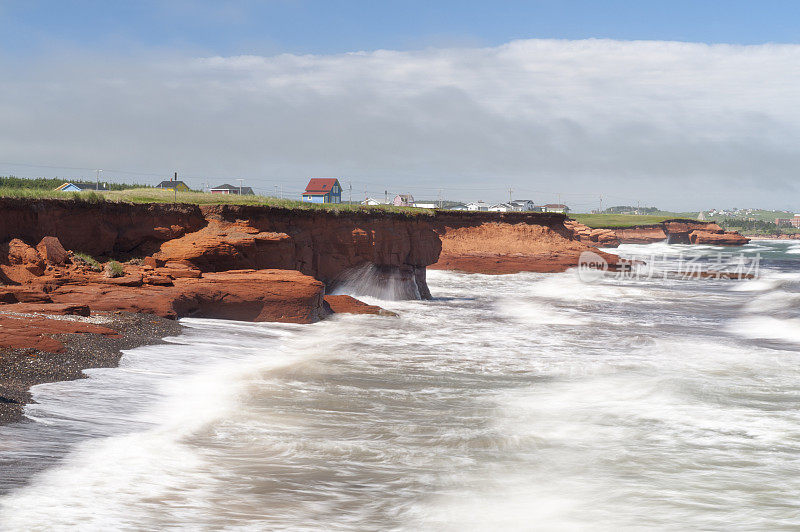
{"x":245,"y":295}
{"x":341,"y":304}
{"x":681,"y":232}
{"x":643,"y":234}
{"x":36,"y":332}
{"x":509,"y":243}
{"x":724,"y":238}
{"x":606,"y":238}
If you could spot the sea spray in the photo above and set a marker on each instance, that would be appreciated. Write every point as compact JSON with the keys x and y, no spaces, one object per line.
{"x":380,"y":282}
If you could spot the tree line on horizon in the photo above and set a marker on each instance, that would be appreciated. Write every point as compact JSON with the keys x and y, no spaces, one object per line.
{"x":46,"y":183}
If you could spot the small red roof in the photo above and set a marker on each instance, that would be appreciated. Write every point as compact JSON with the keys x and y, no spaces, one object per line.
{"x":320,"y":185}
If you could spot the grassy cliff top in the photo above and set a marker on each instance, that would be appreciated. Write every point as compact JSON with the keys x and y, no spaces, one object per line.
{"x":155,"y":195}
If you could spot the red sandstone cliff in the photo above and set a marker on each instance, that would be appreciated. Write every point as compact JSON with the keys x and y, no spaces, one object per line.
{"x":322,"y":244}
{"x":509,"y":243}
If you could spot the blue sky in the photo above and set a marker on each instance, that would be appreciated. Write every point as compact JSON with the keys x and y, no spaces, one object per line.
{"x":635,"y":101}
{"x":320,"y":27}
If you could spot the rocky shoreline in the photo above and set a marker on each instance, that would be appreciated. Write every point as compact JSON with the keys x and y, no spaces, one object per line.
{"x":21,"y":368}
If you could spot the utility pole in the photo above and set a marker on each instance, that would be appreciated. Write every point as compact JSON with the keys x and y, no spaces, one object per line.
{"x":240,"y":185}
{"x":276,"y":191}
{"x":601,"y":204}
{"x":97,"y":185}
{"x":350,"y":189}
{"x":510,"y":193}
{"x":440,"y":198}
{"x":281,"y":190}
{"x":175,"y":188}
{"x":386,"y":196}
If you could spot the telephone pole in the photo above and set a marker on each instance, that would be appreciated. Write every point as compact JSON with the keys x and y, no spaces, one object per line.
{"x":240,"y":185}
{"x":350,"y":190}
{"x":510,"y":193}
{"x":97,"y":185}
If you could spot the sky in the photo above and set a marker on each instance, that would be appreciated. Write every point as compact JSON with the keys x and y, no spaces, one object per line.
{"x":684,"y":105}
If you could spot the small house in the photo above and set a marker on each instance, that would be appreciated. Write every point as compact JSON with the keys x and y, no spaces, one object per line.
{"x":373,"y":202}
{"x":173,"y":185}
{"x":80,"y":187}
{"x":403,"y":200}
{"x":501,"y":207}
{"x":425,"y":205}
{"x":322,"y":190}
{"x":230,"y":189}
{"x":522,"y":205}
{"x":477,"y":206}
{"x":555,"y":207}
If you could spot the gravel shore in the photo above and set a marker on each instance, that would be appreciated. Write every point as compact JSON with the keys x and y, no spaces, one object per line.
{"x":22,"y":368}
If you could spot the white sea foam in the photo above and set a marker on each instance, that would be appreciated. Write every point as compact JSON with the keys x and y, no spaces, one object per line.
{"x":531,"y":401}
{"x":767,"y":328}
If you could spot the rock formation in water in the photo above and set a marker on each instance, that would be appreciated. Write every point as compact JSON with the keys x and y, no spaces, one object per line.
{"x":680,"y":232}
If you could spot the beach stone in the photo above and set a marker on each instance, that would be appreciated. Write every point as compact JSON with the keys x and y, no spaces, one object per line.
{"x":342,"y":304}
{"x":52,"y":251}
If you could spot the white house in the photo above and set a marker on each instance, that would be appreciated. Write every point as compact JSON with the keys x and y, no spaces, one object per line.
{"x":373,"y":201}
{"x":477,"y":206}
{"x":425,"y":205}
{"x":501,"y":207}
{"x":522,"y":205}
{"x":555,"y":207}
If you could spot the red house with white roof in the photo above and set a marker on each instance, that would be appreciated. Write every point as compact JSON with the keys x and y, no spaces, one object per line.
{"x":323,"y":190}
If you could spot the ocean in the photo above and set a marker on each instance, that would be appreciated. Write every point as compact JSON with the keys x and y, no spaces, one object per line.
{"x":517,"y":402}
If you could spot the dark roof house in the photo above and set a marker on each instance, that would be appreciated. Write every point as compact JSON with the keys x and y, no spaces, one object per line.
{"x":172,"y":184}
{"x":230,"y":189}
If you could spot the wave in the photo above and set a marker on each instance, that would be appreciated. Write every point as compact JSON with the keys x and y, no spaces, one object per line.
{"x":767,"y":328}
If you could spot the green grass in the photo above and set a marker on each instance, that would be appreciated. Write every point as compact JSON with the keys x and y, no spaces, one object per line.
{"x":154,"y":195}
{"x":114,"y":269}
{"x":620,"y":220}
{"x":88,"y":259}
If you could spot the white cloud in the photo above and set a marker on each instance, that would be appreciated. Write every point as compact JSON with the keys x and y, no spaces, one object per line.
{"x":680,"y":125}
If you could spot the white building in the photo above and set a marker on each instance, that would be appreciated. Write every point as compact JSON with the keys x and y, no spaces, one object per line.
{"x":501,"y":207}
{"x":555,"y":207}
{"x":373,"y":201}
{"x":425,"y":205}
{"x":522,"y":205}
{"x":477,"y":206}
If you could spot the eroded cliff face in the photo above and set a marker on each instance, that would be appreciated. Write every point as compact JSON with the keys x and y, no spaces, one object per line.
{"x":318,"y":243}
{"x":99,"y":229}
{"x":322,"y":244}
{"x":509,"y":243}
